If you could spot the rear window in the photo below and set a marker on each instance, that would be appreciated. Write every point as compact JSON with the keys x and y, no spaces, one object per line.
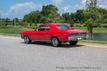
{"x":63,"y":27}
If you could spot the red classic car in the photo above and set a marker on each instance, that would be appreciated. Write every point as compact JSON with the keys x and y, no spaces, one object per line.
{"x":55,"y":33}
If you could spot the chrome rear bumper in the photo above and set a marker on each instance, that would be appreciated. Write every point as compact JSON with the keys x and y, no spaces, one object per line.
{"x":78,"y":36}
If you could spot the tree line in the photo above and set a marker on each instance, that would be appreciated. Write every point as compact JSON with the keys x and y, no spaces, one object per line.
{"x":49,"y":14}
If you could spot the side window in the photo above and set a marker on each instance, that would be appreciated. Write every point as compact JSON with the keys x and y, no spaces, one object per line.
{"x":43,"y":28}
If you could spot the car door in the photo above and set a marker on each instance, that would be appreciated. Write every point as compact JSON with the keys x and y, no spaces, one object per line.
{"x":42,"y":33}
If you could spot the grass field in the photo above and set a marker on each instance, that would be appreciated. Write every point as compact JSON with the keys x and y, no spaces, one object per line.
{"x":94,"y":41}
{"x":18,"y":29}
{"x":12,"y":29}
{"x":95,"y":30}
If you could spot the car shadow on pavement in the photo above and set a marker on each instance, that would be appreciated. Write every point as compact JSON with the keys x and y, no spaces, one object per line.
{"x":49,"y":44}
{"x":70,"y":46}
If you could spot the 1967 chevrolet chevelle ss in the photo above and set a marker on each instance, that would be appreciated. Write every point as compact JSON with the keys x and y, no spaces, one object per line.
{"x":55,"y":33}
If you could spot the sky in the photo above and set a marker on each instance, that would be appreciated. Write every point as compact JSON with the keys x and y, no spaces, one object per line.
{"x":18,"y":8}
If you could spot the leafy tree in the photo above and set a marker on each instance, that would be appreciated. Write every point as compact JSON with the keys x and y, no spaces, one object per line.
{"x":91,"y":16}
{"x":89,"y":24}
{"x":79,"y":16}
{"x":48,"y":14}
{"x":32,"y":17}
{"x":68,"y":18}
{"x":7,"y":21}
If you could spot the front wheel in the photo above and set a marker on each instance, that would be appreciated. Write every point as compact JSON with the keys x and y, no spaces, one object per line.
{"x":27,"y":40}
{"x":55,"y":42}
{"x":73,"y":42}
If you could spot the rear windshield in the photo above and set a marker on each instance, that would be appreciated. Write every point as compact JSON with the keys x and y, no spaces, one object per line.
{"x":63,"y":27}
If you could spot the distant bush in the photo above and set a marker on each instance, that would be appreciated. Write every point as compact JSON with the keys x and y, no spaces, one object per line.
{"x":104,"y":25}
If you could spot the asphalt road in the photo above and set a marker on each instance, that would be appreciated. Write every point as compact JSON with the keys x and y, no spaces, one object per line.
{"x":17,"y":56}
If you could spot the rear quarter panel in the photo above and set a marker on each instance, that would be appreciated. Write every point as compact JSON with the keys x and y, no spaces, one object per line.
{"x":61,"y":35}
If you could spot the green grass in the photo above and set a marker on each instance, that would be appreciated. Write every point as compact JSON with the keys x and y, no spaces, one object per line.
{"x":100,"y":30}
{"x":94,"y":41}
{"x":12,"y":29}
{"x":17,"y":29}
{"x":95,"y":30}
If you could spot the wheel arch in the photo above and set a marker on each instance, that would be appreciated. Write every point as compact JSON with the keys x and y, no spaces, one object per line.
{"x":54,"y":37}
{"x":27,"y":36}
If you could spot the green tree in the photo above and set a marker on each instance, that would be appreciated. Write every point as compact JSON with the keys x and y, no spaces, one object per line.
{"x":68,"y":18}
{"x":32,"y":17}
{"x":7,"y":21}
{"x":50,"y":12}
{"x":79,"y":16}
{"x":91,"y":16}
{"x":89,"y":24}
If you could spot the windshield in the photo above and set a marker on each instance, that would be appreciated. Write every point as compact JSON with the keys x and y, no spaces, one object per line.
{"x":63,"y":27}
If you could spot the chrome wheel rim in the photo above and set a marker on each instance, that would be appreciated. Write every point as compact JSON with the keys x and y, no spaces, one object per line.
{"x":55,"y":42}
{"x":26,"y":39}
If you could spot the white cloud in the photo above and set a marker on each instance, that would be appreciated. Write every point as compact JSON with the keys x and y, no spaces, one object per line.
{"x":20,"y":9}
{"x":83,"y":2}
{"x":71,"y":8}
{"x":67,"y":9}
{"x":26,"y":5}
{"x":74,"y":8}
{"x":57,"y":2}
{"x":103,"y":4}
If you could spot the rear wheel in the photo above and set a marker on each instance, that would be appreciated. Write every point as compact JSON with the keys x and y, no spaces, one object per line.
{"x":55,"y":42}
{"x":73,"y":42}
{"x":27,"y":40}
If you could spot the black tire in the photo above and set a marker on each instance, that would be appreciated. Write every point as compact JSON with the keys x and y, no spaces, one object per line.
{"x":27,"y":40}
{"x":55,"y":42}
{"x":73,"y":42}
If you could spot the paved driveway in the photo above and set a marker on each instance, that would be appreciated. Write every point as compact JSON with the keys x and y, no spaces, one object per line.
{"x":17,"y":56}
